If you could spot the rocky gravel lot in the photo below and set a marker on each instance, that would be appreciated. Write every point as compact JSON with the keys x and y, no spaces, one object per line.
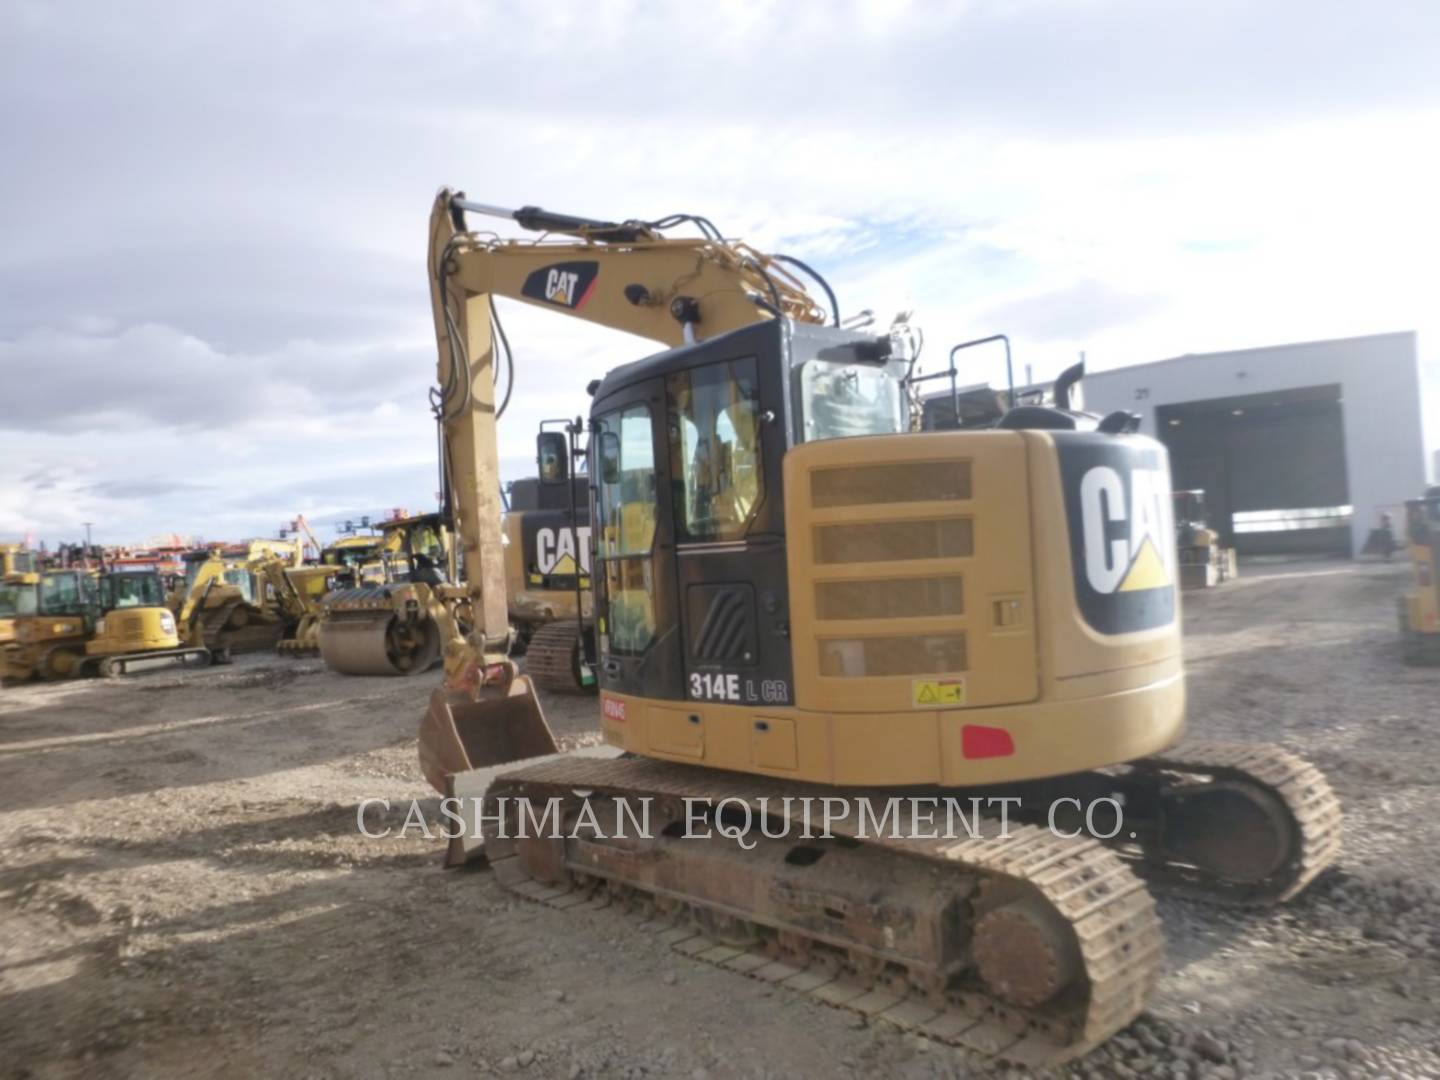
{"x":183,"y":891}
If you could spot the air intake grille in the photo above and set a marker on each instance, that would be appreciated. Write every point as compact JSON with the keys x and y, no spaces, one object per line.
{"x":916,"y":654}
{"x":911,"y":481}
{"x":886,"y":541}
{"x":723,"y":622}
{"x":890,"y":598}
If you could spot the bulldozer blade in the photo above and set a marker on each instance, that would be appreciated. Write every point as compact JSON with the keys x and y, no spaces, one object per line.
{"x":459,"y":735}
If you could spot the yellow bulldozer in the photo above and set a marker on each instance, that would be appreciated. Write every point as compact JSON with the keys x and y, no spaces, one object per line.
{"x":86,"y":623}
{"x":801,"y":601}
{"x":1419,"y":608}
{"x":225,"y":606}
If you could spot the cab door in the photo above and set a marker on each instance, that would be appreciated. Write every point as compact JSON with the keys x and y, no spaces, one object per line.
{"x":633,"y":568}
{"x":727,"y":440}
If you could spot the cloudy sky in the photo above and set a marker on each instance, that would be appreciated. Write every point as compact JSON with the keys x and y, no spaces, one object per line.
{"x":213,"y":307}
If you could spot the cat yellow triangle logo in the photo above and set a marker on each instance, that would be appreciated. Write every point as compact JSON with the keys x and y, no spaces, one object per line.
{"x":563,"y":566}
{"x":1147,"y":570}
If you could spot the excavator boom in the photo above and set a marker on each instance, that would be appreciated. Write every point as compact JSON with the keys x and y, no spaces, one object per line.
{"x":625,"y":276}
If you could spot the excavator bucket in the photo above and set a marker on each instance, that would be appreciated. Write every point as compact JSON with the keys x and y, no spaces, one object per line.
{"x":459,"y":735}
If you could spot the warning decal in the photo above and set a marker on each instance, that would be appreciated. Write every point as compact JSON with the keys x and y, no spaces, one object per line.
{"x":937,"y":693}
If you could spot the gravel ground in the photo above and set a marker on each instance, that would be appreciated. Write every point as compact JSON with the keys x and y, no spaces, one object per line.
{"x":183,"y":890}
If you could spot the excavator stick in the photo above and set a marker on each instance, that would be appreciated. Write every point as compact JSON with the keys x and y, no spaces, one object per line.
{"x":460,"y":734}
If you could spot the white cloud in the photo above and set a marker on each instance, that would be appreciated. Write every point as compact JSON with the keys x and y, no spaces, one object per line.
{"x":213,"y":272}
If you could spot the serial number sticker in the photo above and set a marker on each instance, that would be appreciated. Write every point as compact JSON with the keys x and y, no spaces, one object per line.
{"x":931,"y":692}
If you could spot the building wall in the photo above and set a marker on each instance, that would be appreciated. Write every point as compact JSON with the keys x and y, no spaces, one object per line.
{"x":1379,"y":377}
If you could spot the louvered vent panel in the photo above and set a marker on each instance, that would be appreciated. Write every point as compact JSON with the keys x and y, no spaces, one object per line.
{"x":890,"y":598}
{"x":868,"y":485}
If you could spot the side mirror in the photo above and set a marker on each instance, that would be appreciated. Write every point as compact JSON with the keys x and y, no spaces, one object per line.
{"x":552,"y":455}
{"x":609,"y":457}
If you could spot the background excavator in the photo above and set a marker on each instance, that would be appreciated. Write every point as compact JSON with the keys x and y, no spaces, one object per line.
{"x":1419,"y":608}
{"x":87,"y":623}
{"x":18,"y":578}
{"x":798,"y":595}
{"x":547,"y":569}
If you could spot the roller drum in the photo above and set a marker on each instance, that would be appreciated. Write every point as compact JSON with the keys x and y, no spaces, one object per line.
{"x":382,"y":645}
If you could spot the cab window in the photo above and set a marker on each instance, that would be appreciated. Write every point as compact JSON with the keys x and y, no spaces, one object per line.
{"x":714,"y":419}
{"x":240,"y":578}
{"x":66,"y":594}
{"x":624,"y":447}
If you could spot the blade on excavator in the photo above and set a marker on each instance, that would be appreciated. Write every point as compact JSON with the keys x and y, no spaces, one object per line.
{"x":459,"y":735}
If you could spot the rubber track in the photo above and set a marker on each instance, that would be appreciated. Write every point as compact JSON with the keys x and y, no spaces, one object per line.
{"x":1298,"y":784}
{"x":550,"y":657}
{"x":1110,"y":910}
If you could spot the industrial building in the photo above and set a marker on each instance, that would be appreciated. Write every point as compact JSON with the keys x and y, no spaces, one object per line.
{"x":1299,"y":448}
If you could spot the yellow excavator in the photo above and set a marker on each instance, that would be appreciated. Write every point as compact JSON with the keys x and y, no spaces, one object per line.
{"x":86,"y":623}
{"x":17,"y":600}
{"x":18,"y":577}
{"x":799,"y":598}
{"x":1420,"y":607}
{"x":547,"y":568}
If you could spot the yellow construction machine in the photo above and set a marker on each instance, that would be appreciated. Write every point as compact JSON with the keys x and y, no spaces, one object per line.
{"x":18,"y":578}
{"x":293,"y":590}
{"x":224,"y":605}
{"x":547,"y":568}
{"x":356,"y":560}
{"x":395,"y":626}
{"x":16,"y":559}
{"x":1203,"y":562}
{"x":1420,"y":607}
{"x":17,"y":600}
{"x":85,"y":623}
{"x":797,"y":597}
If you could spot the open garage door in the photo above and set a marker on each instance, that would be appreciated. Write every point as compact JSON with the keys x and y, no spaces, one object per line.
{"x":1272,"y":467}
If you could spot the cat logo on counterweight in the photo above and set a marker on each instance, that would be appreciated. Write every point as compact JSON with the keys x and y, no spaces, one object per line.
{"x":1122,"y":535}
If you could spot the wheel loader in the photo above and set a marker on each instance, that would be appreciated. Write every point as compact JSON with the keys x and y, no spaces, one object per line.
{"x":800,"y":598}
{"x":89,"y":624}
{"x":1203,"y":562}
{"x":1419,"y":608}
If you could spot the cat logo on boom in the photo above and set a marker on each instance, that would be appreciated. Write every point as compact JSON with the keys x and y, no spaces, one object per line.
{"x":567,"y":284}
{"x":1122,"y":539}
